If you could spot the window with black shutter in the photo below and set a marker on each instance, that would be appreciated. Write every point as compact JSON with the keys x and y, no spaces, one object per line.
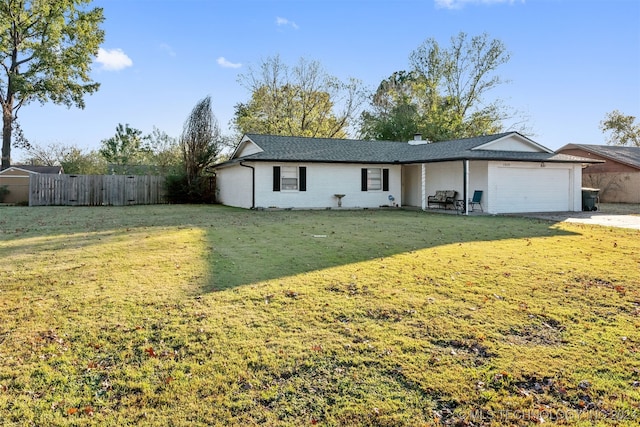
{"x":363,"y":179}
{"x":385,"y":179}
{"x":373,"y":179}
{"x":276,"y":178}
{"x":302,"y":175}
{"x":289,"y":178}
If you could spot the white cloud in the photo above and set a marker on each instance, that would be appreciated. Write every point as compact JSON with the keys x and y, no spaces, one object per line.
{"x":113,"y":59}
{"x":284,"y":21}
{"x":222,"y":61}
{"x":459,"y":4}
{"x":166,"y":48}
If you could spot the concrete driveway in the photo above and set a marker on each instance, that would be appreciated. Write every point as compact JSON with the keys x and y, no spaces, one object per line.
{"x":609,"y":215}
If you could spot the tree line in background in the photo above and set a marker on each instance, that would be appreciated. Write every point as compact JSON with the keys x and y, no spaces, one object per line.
{"x":183,"y":160}
{"x":128,"y":151}
{"x":443,"y":95}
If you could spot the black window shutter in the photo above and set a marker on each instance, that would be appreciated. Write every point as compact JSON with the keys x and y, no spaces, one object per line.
{"x":385,"y":179}
{"x":276,"y":178}
{"x":363,"y":179}
{"x":303,"y":178}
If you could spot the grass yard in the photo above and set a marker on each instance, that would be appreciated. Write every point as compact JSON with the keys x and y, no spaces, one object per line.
{"x":206,"y":315}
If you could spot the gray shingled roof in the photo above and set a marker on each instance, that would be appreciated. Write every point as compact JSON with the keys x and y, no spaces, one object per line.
{"x":627,"y":155}
{"x":40,"y":169}
{"x":329,"y":150}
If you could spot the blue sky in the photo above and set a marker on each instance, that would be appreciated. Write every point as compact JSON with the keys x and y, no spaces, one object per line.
{"x":572,"y":61}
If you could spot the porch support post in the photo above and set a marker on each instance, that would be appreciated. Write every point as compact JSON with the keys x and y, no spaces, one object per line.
{"x":423,"y":186}
{"x":466,"y":186}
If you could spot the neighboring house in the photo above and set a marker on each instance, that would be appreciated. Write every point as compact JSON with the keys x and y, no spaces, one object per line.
{"x":618,"y":178}
{"x":515,"y":173}
{"x":17,"y":177}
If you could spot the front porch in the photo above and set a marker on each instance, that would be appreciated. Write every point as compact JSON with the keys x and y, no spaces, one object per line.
{"x":476,"y":212}
{"x":456,"y":181}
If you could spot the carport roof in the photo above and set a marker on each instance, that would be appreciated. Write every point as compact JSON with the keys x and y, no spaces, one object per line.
{"x":274,"y":148}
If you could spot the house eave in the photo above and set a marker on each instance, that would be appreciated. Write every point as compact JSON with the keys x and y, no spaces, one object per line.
{"x":590,"y":150}
{"x":303,"y":160}
{"x":521,"y":137}
{"x":330,"y":151}
{"x":15,"y":169}
{"x":406,"y":162}
{"x":246,"y":139}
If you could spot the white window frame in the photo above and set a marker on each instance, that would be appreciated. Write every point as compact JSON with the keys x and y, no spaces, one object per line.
{"x":371,"y":180}
{"x":291,"y":174}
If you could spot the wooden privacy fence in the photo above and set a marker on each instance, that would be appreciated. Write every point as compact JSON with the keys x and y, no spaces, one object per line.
{"x":96,"y":190}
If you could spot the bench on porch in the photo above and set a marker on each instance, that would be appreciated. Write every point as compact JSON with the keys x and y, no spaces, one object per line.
{"x":442,"y":199}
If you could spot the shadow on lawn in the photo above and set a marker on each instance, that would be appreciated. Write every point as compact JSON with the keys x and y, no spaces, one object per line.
{"x":244,"y":247}
{"x":266,"y":245}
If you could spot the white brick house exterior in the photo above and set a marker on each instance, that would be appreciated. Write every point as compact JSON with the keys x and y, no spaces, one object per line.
{"x":515,"y":173}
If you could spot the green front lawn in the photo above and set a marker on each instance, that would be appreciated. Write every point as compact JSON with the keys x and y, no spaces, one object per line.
{"x":206,"y":315}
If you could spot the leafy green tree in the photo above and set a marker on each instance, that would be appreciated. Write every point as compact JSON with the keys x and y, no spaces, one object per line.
{"x":46,"y":49}
{"x":80,"y":162}
{"x":129,"y":151}
{"x":299,"y":101}
{"x":444,"y":94}
{"x":126,"y":147}
{"x":624,"y":130}
{"x":396,"y":108}
{"x":163,"y":152}
{"x":156,"y":153}
{"x":74,"y":160}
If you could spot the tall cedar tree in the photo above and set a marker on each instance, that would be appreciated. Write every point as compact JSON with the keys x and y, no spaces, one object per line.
{"x":200,"y":141}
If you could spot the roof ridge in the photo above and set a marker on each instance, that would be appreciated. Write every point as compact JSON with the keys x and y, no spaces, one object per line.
{"x":494,"y":135}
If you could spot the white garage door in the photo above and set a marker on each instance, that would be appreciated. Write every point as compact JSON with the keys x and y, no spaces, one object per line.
{"x":530,"y":190}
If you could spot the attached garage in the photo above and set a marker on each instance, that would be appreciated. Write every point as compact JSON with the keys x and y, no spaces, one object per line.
{"x":531,"y":188}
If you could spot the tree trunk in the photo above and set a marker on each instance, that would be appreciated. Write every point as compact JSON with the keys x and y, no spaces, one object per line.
{"x":7,"y":121}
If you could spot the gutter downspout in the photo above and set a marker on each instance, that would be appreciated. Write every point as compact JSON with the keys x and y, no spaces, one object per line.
{"x":253,"y":184}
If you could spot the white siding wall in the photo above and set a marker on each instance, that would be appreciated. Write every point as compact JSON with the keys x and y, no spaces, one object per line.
{"x":234,"y":186}
{"x":247,"y":148}
{"x":576,"y":174}
{"x":445,"y":176}
{"x":323,"y":181}
{"x":412,"y":185}
{"x":507,"y":187}
{"x":478,"y":180}
{"x":512,"y":144}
